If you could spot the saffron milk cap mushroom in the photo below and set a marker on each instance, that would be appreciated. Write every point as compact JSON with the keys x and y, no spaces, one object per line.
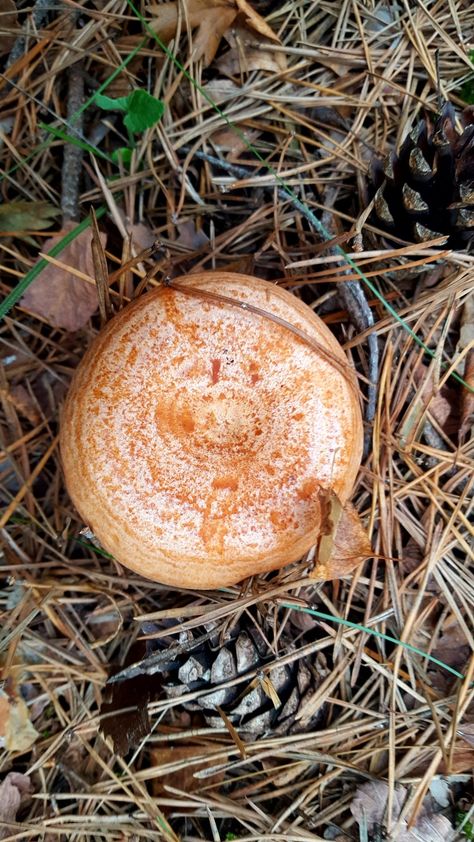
{"x":207,"y":430}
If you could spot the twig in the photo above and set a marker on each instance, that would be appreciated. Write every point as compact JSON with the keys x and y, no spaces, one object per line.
{"x":71,"y":171}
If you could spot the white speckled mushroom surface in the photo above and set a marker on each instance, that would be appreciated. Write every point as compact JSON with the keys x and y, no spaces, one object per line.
{"x":196,"y":435}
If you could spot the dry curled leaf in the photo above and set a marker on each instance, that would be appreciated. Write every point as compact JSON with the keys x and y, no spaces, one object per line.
{"x":255,"y":21}
{"x":343,"y":542}
{"x":14,"y":789}
{"x":369,"y":806}
{"x":16,"y":730}
{"x":59,"y":296}
{"x":209,"y":19}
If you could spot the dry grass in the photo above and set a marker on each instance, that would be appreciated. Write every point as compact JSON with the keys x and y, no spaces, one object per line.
{"x":358,"y":77}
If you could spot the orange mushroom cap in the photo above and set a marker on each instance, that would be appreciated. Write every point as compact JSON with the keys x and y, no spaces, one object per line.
{"x":197,"y":435}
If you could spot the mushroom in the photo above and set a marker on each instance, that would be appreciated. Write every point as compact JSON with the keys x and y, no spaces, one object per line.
{"x":208,"y":427}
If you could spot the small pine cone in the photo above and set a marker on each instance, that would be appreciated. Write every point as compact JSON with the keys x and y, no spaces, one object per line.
{"x":427,"y":189}
{"x":278,"y":701}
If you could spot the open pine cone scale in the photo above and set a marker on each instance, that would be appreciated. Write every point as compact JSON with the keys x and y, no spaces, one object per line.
{"x":426,"y":190}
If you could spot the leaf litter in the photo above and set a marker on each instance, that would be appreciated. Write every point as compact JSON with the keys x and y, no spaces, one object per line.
{"x":369,"y":807}
{"x":15,"y":789}
{"x":59,"y":296}
{"x":317,"y":89}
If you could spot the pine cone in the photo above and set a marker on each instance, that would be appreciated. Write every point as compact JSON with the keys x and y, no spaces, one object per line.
{"x":427,"y":189}
{"x":270,"y":703}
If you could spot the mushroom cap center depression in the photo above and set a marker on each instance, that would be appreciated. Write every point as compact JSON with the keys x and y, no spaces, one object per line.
{"x":226,"y":422}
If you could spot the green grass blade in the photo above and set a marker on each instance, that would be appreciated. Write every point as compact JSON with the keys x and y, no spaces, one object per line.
{"x":341,"y":622}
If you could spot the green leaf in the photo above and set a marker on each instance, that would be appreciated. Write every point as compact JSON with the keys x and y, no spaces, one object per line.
{"x":123,"y":155}
{"x":144,"y":110}
{"x":109,"y":103}
{"x":26,"y":216}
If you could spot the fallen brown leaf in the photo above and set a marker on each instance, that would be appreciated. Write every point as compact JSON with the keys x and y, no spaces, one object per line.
{"x":466,"y":731}
{"x":182,"y":778}
{"x":16,"y":730}
{"x":255,"y":21}
{"x":190,"y":236}
{"x":440,"y":403}
{"x":369,"y":805}
{"x":60,"y":297}
{"x":244,"y":58}
{"x":226,"y":140}
{"x":461,"y":760}
{"x":210,"y":18}
{"x":452,"y":646}
{"x":124,"y":710}
{"x":142,"y":236}
{"x":9,"y":23}
{"x":343,"y":543}
{"x":14,"y":789}
{"x":24,"y":403}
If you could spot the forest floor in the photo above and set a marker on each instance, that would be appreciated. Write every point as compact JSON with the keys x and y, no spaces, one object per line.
{"x":244,"y":138}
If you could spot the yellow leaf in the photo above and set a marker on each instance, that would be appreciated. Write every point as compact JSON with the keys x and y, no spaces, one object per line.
{"x":16,"y":731}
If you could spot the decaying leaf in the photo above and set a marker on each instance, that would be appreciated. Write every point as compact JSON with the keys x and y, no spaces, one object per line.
{"x":439,"y":402}
{"x":16,"y":730}
{"x":60,"y":297}
{"x":244,"y":57}
{"x":14,"y":789}
{"x":8,"y":25}
{"x":343,"y":543}
{"x":452,"y":646}
{"x":369,"y":806}
{"x":24,"y":403}
{"x":190,"y":236}
{"x":26,"y":216}
{"x":466,"y":731}
{"x":124,"y":710}
{"x":142,"y":236}
{"x":255,"y":21}
{"x":183,"y":777}
{"x":210,"y":19}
